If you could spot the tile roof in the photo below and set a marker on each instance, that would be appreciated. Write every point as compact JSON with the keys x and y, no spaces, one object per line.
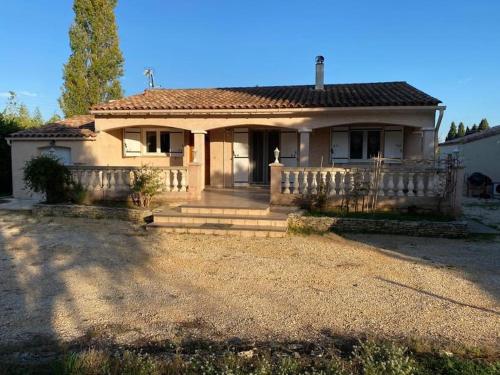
{"x":275,"y":97}
{"x":473,"y":137}
{"x":81,"y":126}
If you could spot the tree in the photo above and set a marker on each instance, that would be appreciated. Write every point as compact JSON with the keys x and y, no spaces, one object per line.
{"x":54,"y":118}
{"x":473,"y":129}
{"x":452,"y":133}
{"x":96,"y":63}
{"x":461,"y":130}
{"x":483,"y":125}
{"x":19,"y":113}
{"x":7,"y":126}
{"x":467,"y":131}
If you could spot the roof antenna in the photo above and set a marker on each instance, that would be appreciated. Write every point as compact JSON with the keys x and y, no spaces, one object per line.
{"x":148,"y":72}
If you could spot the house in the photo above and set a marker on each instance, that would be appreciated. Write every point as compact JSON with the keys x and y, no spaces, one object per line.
{"x":228,"y":137}
{"x":480,"y":152}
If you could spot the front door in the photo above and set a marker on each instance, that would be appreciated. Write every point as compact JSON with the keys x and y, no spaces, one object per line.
{"x":241,"y":157}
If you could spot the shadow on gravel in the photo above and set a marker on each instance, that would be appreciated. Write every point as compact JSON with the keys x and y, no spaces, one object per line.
{"x":476,"y":259}
{"x":35,"y":254}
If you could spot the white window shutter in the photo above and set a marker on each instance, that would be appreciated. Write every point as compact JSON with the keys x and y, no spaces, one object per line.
{"x":132,"y":142}
{"x":393,"y":144}
{"x":340,"y":146}
{"x":177,"y":143}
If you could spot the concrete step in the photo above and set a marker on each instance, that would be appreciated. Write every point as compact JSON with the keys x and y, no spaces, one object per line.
{"x":271,"y":219}
{"x":231,"y":211}
{"x":220,"y":229}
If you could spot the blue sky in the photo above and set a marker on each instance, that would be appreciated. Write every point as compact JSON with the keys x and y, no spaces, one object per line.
{"x":450,"y":49}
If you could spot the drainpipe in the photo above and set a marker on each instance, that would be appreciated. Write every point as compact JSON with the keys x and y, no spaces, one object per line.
{"x":441,"y":110}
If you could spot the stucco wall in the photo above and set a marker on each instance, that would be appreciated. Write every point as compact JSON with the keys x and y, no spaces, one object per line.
{"x":106,"y":149}
{"x":481,"y":156}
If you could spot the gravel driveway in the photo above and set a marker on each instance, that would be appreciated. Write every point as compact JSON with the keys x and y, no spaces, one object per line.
{"x":62,"y":277}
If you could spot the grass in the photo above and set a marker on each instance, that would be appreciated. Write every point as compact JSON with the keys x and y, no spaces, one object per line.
{"x":389,"y":215}
{"x":364,"y":357}
{"x":97,"y":353}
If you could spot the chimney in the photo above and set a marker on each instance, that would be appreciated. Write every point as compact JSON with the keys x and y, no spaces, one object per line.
{"x":320,"y":73}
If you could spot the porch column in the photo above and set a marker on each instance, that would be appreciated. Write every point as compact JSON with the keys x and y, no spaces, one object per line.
{"x":199,"y":154}
{"x":305,"y":135}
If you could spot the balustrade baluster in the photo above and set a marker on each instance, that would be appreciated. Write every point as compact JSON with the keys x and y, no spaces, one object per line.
{"x":420,"y":185}
{"x":112,"y":180}
{"x":390,"y":185}
{"x":314,"y":183}
{"x":305,"y":182}
{"x":430,"y":185}
{"x":401,"y":185}
{"x":332,"y":184}
{"x":381,"y":185}
{"x":411,"y":185}
{"x":175,"y":180}
{"x":341,"y":183}
{"x":295,"y":182}
{"x":286,"y":185}
{"x":323,"y":181}
{"x":183,"y":180}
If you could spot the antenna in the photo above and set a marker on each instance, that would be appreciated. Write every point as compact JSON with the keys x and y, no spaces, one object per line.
{"x":148,"y":72}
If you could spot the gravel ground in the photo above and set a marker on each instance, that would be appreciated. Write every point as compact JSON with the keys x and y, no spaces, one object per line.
{"x":62,"y":277}
{"x":484,"y":211}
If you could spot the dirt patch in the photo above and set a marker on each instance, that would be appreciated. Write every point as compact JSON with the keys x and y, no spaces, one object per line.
{"x":62,"y":278}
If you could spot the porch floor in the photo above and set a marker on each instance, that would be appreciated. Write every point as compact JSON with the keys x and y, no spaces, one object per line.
{"x":246,"y":197}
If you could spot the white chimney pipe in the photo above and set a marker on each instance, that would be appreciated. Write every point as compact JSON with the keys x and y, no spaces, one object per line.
{"x":320,"y":73}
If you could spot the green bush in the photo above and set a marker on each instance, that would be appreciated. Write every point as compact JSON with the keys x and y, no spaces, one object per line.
{"x":383,"y":359}
{"x":44,"y":174}
{"x":146,"y":184}
{"x":77,"y":193}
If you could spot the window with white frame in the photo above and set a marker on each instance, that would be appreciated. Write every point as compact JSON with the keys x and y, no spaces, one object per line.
{"x":355,"y":144}
{"x":153,"y":142}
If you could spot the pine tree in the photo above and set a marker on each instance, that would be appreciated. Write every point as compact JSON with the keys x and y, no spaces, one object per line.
{"x":96,"y":63}
{"x":37,"y":118}
{"x":474,"y":129}
{"x":483,"y":125}
{"x":467,"y":131}
{"x":452,"y":133}
{"x":461,"y":130}
{"x":54,"y":118}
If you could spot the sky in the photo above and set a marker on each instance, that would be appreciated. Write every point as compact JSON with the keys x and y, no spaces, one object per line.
{"x":449,"y":49}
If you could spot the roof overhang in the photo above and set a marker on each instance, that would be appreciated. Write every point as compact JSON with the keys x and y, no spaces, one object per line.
{"x":285,"y":112}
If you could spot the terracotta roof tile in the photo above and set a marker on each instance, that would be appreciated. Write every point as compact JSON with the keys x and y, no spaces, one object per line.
{"x":274,"y":97}
{"x":74,"y":127}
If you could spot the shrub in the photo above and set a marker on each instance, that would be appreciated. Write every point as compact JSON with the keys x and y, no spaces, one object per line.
{"x":383,"y":359}
{"x":44,"y":174}
{"x":146,"y":184}
{"x":77,"y":193}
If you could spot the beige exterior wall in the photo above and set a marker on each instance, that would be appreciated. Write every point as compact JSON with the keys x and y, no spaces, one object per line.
{"x":481,"y":156}
{"x":107,"y":148}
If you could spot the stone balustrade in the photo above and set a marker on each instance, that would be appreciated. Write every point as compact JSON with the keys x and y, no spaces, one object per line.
{"x":118,"y":180}
{"x":387,"y":182}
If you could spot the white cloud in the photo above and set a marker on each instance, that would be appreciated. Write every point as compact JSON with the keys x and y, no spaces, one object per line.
{"x":28,"y":93}
{"x":6,"y":94}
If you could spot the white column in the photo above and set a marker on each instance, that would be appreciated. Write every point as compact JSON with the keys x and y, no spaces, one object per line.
{"x":199,"y":153}
{"x":305,"y":135}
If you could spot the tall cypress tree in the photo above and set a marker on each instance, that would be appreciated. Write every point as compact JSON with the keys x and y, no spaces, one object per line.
{"x":452,"y":133}
{"x":94,"y":68}
{"x":483,"y":125}
{"x":461,"y":130}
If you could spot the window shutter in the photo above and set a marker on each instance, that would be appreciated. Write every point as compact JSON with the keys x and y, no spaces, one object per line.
{"x":340,"y":146}
{"x":132,"y":142}
{"x":177,"y":143}
{"x":393,"y":145}
{"x":288,"y":154}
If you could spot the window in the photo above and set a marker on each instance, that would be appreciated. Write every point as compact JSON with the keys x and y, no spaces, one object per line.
{"x":373,"y":143}
{"x":356,"y":149}
{"x":164,"y":142}
{"x":151,"y":141}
